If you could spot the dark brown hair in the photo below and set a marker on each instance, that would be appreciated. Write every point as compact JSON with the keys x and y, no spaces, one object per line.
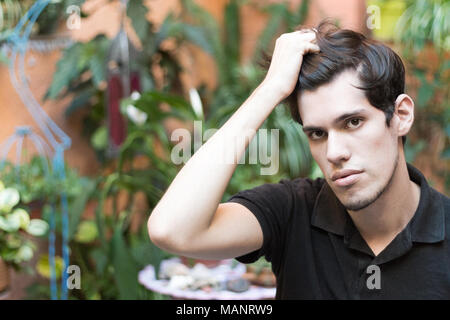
{"x":380,"y":70}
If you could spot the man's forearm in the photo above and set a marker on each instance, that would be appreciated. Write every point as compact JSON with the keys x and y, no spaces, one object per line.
{"x":189,"y":204}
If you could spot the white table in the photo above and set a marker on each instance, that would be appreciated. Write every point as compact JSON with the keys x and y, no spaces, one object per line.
{"x":225,"y":271}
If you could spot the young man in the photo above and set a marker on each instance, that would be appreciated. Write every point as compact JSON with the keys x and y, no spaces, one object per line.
{"x":372,"y":228}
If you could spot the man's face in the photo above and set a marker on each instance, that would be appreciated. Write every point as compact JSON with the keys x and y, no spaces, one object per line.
{"x":349,"y":140}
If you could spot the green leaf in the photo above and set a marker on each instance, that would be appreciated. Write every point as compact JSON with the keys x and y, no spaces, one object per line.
{"x":87,"y":51}
{"x":37,"y":227}
{"x":23,"y":216}
{"x":270,"y":31}
{"x":66,"y":70}
{"x":150,"y":101}
{"x":201,"y":16}
{"x":147,"y":81}
{"x":9,"y":197}
{"x":80,"y":101}
{"x":198,"y":36}
{"x":99,"y":214}
{"x":169,"y":28}
{"x":25,"y":253}
{"x":101,"y":260}
{"x":125,"y":268}
{"x":43,"y":266}
{"x":79,"y":204}
{"x":96,"y":64}
{"x":10,"y":223}
{"x":145,"y":252}
{"x":99,"y":139}
{"x":137,"y":12}
{"x":208,"y":26}
{"x":301,"y":15}
{"x":87,"y":232}
{"x":232,"y":33}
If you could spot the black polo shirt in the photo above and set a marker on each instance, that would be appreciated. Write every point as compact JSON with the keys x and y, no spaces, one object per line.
{"x":317,"y":252}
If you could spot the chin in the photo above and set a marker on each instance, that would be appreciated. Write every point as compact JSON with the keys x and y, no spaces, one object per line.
{"x":358,"y":201}
{"x":357,"y":205}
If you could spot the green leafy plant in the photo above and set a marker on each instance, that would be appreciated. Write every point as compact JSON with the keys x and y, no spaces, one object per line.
{"x":36,"y":182}
{"x":108,"y":251}
{"x":10,"y":14}
{"x":81,"y":73}
{"x":107,"y":248}
{"x":422,"y":33}
{"x":11,"y":11}
{"x":424,"y":22}
{"x":119,"y":252}
{"x":15,"y":224}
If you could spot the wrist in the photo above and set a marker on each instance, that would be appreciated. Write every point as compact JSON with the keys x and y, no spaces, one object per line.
{"x":271,"y":92}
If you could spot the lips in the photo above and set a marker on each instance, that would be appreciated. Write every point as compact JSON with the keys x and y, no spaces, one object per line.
{"x":346,"y":177}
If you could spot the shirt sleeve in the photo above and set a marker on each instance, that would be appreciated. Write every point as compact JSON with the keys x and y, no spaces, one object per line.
{"x":272,"y":206}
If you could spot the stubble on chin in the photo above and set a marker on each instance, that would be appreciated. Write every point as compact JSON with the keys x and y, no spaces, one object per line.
{"x":360,"y":204}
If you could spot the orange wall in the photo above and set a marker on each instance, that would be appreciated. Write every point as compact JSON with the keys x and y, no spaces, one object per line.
{"x":39,"y":69}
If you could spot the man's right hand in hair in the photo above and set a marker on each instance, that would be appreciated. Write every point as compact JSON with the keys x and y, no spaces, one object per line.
{"x":189,"y":219}
{"x":287,"y":60}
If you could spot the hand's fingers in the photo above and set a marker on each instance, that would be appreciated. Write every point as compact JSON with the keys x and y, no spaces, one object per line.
{"x":311,"y":47}
{"x":305,"y":32}
{"x":307,"y":35}
{"x":306,"y":41}
{"x":311,"y":36}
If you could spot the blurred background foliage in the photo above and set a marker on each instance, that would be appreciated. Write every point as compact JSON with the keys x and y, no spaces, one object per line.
{"x":423,"y":36}
{"x":11,"y":11}
{"x":109,"y":250}
{"x":111,"y":245}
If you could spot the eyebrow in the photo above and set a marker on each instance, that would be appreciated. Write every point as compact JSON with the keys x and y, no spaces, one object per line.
{"x":335,"y":121}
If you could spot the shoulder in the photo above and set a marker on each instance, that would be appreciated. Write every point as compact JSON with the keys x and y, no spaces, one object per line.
{"x":441,"y":203}
{"x":286,"y":192}
{"x":307,"y":185}
{"x":298,"y":187}
{"x":306,"y":188}
{"x":445,"y":201}
{"x":442,"y":200}
{"x":298,"y":194}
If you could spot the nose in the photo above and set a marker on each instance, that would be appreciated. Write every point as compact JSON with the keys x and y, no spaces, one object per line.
{"x":337,"y":151}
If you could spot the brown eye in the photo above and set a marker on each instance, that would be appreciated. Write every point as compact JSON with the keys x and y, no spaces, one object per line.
{"x":354,"y":123}
{"x":316,"y":135}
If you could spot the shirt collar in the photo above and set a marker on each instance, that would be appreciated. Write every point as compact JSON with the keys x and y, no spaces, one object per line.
{"x":427,"y":224}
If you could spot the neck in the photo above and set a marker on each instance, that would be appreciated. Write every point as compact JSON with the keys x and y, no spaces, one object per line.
{"x":380,"y":222}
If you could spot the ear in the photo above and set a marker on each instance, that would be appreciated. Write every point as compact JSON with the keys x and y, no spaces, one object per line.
{"x":404,"y":111}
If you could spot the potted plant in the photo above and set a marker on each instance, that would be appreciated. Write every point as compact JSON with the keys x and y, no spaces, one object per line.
{"x":16,"y":226}
{"x":36,"y":183}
